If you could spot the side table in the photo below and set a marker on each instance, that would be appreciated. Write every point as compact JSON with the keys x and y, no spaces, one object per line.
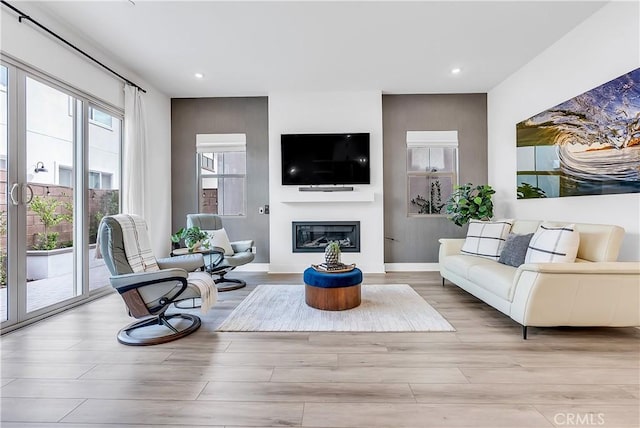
{"x":332,"y":291}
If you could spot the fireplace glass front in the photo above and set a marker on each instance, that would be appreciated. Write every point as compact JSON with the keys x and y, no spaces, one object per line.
{"x":313,"y":236}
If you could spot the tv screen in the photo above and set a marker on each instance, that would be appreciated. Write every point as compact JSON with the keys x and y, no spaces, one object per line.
{"x":320,"y":159}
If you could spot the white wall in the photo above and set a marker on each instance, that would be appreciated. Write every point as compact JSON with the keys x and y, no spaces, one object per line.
{"x":325,"y":112}
{"x":603,"y":47}
{"x":32,"y":47}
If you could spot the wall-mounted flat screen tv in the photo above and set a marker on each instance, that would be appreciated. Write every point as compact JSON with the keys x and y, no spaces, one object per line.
{"x":321,"y":159}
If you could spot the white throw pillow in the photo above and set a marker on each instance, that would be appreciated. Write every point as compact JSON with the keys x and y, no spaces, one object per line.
{"x":553,"y":245}
{"x":219,"y":238}
{"x":486,"y":238}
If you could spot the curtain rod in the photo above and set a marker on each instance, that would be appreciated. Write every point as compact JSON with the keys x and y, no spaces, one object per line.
{"x":22,"y":16}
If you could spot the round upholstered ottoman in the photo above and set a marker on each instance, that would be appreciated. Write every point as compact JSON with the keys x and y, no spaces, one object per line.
{"x":332,"y":291}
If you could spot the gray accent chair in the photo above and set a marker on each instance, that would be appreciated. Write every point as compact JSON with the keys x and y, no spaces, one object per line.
{"x":148,"y":295}
{"x":223,"y":264}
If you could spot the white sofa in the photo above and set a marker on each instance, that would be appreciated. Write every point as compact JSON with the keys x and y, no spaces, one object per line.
{"x":596,"y":290}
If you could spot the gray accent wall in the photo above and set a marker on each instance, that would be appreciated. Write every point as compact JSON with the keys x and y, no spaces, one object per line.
{"x":191,"y":116}
{"x":415,"y":239}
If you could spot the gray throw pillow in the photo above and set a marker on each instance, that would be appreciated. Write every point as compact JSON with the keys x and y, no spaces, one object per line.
{"x":515,"y":249}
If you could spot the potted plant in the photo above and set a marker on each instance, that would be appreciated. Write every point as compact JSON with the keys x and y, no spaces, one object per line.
{"x":193,"y":238}
{"x":470,"y":202}
{"x":332,"y":253}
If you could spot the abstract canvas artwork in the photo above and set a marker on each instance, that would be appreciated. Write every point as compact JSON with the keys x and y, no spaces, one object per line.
{"x":588,"y":145}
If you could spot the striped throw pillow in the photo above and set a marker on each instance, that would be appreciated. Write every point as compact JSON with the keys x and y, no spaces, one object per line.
{"x":553,"y":245}
{"x":486,"y":238}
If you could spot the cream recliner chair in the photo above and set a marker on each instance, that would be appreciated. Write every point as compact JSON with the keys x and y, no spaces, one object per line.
{"x":151,"y":286}
{"x":224,"y":263}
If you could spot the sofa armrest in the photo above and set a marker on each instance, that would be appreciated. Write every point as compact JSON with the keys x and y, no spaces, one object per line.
{"x":596,"y":268}
{"x":449,"y":247}
{"x":602,"y":294}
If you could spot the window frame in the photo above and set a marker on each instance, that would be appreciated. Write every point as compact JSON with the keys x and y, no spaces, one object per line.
{"x":221,"y":143}
{"x":430,"y":140}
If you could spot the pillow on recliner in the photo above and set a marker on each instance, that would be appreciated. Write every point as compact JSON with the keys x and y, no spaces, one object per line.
{"x":219,"y":238}
{"x":515,"y":249}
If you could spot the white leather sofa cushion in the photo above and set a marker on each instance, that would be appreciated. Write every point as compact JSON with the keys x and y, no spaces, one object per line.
{"x":495,"y":277}
{"x":461,"y":264}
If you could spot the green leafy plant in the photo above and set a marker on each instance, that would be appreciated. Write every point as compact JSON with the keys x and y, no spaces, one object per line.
{"x":47,"y":209}
{"x":109,"y":205}
{"x":432,"y":206}
{"x":192,"y":236}
{"x":470,"y":202}
{"x":527,"y":191}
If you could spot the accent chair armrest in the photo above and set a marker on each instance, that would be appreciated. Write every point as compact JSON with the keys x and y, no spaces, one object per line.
{"x":242,"y":246}
{"x":188,"y":262}
{"x":123,"y":283}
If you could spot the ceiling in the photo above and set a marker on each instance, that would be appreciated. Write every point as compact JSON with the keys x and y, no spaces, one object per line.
{"x":253,"y":48}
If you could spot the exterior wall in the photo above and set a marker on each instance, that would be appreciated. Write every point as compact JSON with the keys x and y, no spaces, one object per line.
{"x":603,"y":47}
{"x":191,"y":116}
{"x":415,"y":239}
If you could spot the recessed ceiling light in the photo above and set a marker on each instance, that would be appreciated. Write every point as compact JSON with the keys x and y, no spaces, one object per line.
{"x":456,"y":70}
{"x":199,"y":75}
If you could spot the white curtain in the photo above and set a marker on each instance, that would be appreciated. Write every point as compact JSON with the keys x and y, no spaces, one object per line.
{"x":135,"y":152}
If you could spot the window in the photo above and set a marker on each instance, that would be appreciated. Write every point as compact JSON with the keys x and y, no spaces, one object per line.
{"x":432,"y":170}
{"x":100,"y":118}
{"x":222,"y":168}
{"x":97,"y":179}
{"x":65,"y":176}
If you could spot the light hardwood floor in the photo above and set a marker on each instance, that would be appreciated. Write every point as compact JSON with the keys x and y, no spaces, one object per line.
{"x":69,"y":371}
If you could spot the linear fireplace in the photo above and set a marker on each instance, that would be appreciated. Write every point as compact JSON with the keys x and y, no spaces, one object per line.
{"x":313,"y":236}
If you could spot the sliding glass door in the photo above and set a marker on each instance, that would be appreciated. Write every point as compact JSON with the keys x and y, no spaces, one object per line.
{"x":61,"y":153}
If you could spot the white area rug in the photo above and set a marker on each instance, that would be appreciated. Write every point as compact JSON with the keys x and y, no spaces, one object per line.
{"x":388,"y":307}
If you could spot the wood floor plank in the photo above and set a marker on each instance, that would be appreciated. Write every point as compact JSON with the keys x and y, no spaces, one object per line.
{"x":253,"y":359}
{"x":421,"y":416}
{"x":308,"y":392}
{"x":386,"y":339}
{"x":288,"y":347}
{"x":552,"y":375}
{"x":105,"y":389}
{"x":521,"y":394}
{"x":169,"y":373}
{"x":128,"y":355}
{"x":36,"y":409}
{"x":44,"y":370}
{"x":190,"y":413}
{"x":494,"y":359}
{"x":369,"y":375}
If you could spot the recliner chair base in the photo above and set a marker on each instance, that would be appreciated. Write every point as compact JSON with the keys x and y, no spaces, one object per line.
{"x":125,"y":337}
{"x":228,"y":284}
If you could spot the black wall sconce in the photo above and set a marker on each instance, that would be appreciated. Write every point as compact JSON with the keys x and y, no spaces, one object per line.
{"x":40,"y":167}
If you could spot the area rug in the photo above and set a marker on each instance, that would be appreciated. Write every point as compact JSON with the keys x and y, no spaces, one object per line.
{"x":384,"y":308}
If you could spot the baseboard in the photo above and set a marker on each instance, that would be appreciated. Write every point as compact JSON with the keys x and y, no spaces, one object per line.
{"x":411,"y":267}
{"x":389,"y":267}
{"x":253,"y":267}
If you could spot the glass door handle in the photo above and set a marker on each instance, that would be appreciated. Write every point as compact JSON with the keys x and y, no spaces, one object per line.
{"x":14,"y":187}
{"x":28,"y":186}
